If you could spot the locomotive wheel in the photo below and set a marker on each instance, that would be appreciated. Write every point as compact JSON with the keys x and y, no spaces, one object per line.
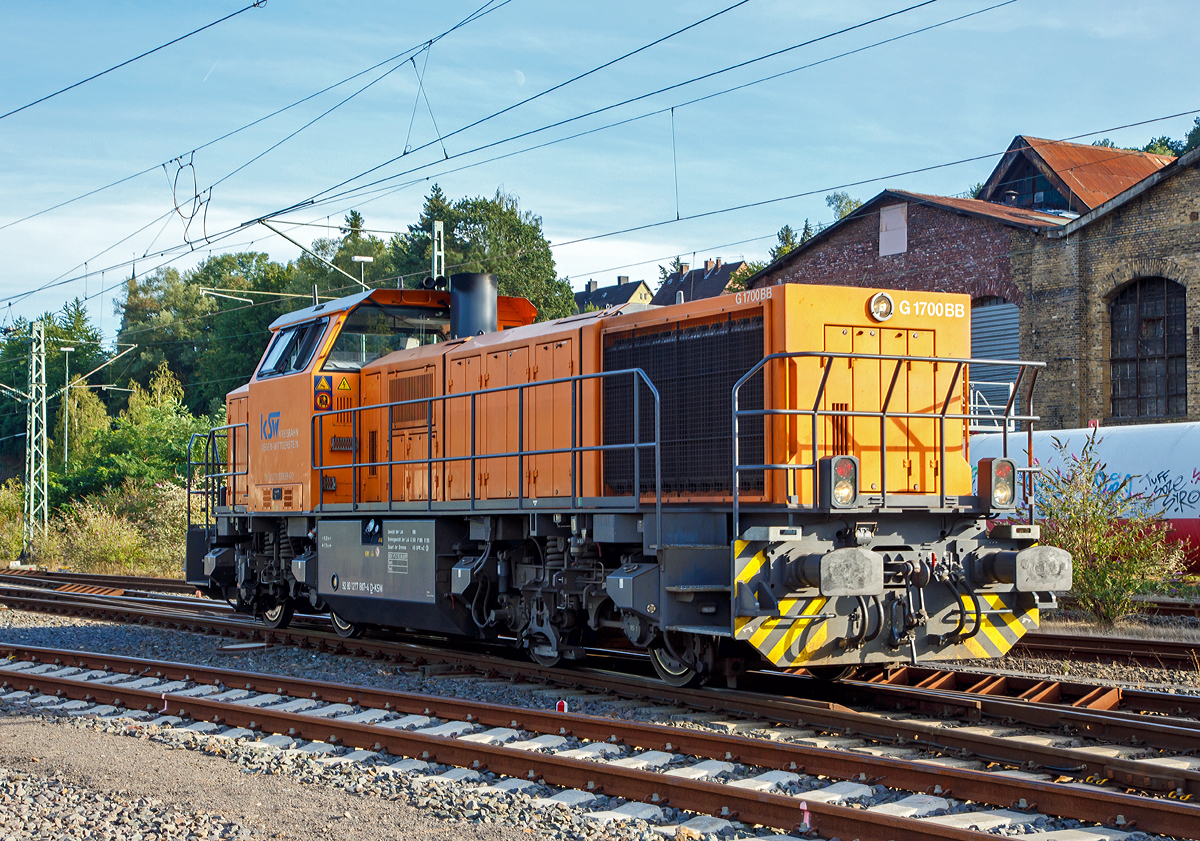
{"x":543,"y":659}
{"x":348,"y":630}
{"x":671,"y":670}
{"x":280,"y":616}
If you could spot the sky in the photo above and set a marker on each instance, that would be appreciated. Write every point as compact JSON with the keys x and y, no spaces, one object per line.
{"x":667,"y":165}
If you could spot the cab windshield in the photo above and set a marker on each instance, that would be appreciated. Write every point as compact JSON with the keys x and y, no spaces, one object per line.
{"x":374,"y":330}
{"x":292,"y":348}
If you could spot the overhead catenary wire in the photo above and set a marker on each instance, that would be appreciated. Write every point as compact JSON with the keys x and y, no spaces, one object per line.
{"x":707,"y":214}
{"x":751,"y":61}
{"x":476,"y":15}
{"x":366,"y":190}
{"x":254,"y":5}
{"x":607,"y":64}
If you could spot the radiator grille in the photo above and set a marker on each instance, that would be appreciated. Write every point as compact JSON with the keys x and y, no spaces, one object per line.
{"x":372,"y":453}
{"x":694,"y":366}
{"x":410,"y":388}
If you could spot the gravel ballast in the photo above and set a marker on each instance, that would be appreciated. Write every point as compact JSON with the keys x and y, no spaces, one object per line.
{"x":214,"y":801}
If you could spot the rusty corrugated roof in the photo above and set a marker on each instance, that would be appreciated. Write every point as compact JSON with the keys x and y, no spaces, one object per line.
{"x":1008,"y":214}
{"x":1094,"y":174}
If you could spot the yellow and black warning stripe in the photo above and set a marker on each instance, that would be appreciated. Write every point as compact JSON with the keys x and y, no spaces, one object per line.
{"x":1000,"y":629}
{"x":790,"y":639}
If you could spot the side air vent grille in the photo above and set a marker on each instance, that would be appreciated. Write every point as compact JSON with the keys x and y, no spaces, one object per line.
{"x":412,"y":387}
{"x":693,"y":366}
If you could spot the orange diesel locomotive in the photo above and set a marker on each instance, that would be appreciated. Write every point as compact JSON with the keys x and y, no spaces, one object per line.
{"x":777,"y":475}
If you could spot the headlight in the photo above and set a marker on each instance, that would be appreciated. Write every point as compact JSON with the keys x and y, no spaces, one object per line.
{"x":838,"y":481}
{"x":998,"y":482}
{"x":881,"y":306}
{"x":843,"y":492}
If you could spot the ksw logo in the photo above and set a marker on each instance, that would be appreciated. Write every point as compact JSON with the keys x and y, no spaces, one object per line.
{"x":269,"y":425}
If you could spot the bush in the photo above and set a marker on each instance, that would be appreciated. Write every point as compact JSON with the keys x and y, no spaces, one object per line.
{"x":136,"y":529}
{"x":12,"y":513}
{"x":1115,"y":538}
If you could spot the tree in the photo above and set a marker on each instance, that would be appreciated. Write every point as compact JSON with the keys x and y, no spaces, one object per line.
{"x":354,"y":226}
{"x":842,"y":204}
{"x":1192,"y":139}
{"x":233,"y":337}
{"x":147,"y":441}
{"x":787,"y":241}
{"x":747,"y":270}
{"x":210,"y":343}
{"x":310,"y":271}
{"x":70,"y":327}
{"x":168,"y":319}
{"x":1164,"y":145}
{"x":675,"y":267}
{"x":487,"y":235}
{"x":1161,"y":145}
{"x":975,"y":190}
{"x":87,"y":416}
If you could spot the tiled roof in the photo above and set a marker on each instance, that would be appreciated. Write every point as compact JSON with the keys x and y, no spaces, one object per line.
{"x":608,"y":296}
{"x":696,"y":284}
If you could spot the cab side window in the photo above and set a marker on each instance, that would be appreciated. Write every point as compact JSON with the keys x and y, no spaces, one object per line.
{"x":292,"y":348}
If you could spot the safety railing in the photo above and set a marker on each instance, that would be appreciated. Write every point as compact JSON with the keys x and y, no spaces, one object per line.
{"x":942,"y":414}
{"x":523,"y":503}
{"x":987,"y":399}
{"x":213,"y":469}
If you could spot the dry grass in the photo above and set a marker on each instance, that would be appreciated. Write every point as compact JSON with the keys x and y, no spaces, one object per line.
{"x":137,"y":529}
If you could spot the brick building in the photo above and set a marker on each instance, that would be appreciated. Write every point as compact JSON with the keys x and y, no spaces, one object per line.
{"x":1112,"y":303}
{"x":1109,"y":299}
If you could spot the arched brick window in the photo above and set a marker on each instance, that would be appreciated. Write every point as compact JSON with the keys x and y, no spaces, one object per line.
{"x":1149,"y":344}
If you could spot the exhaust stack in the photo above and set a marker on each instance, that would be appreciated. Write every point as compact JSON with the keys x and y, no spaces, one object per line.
{"x":473,"y":304}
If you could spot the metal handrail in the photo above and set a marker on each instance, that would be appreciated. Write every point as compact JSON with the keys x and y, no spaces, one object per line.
{"x":211,"y":477}
{"x":942,"y":415}
{"x":638,"y":376}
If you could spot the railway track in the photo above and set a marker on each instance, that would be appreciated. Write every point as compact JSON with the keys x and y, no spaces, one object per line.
{"x":1157,"y":653}
{"x":754,"y":780}
{"x":1115,"y":716}
{"x":85,"y":582}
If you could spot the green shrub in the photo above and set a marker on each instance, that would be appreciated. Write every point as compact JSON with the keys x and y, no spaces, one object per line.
{"x":138,"y":528}
{"x":12,"y":512}
{"x":1115,"y":538}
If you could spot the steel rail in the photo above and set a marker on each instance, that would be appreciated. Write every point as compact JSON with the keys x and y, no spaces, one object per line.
{"x":116,"y":582}
{"x":1165,"y":816}
{"x":1040,"y":691}
{"x":1145,"y":652}
{"x":802,"y":712}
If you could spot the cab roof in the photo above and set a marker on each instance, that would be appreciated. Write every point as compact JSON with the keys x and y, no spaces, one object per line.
{"x":418,"y":297}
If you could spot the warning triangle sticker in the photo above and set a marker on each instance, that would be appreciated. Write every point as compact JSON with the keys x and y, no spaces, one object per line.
{"x":323,"y":384}
{"x":344,"y":385}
